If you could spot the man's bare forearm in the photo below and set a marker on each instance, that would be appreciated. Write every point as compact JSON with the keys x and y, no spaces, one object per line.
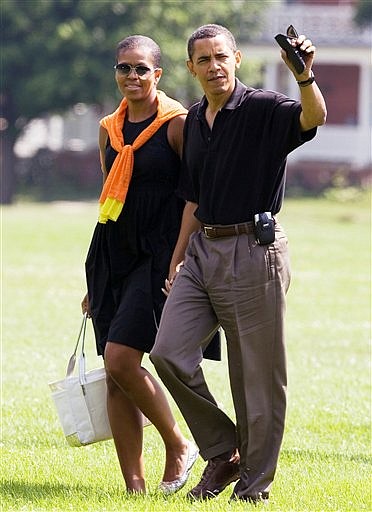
{"x":189,"y":224}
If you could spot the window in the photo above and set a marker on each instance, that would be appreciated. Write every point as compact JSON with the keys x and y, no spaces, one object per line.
{"x":339,"y":84}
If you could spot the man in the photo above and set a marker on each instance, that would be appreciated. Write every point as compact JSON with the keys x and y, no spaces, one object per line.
{"x":235,"y":274}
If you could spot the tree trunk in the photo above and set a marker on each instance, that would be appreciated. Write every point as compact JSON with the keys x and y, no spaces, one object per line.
{"x":7,"y":171}
{"x":8,"y":136}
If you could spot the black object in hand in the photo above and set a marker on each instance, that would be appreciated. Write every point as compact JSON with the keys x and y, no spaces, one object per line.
{"x":294,"y":55}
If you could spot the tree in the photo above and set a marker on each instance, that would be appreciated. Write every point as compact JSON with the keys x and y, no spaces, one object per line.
{"x":363,"y":13}
{"x":56,"y":53}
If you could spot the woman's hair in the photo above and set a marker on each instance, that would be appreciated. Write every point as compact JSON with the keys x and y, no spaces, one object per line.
{"x":207,"y":32}
{"x":131,"y":42}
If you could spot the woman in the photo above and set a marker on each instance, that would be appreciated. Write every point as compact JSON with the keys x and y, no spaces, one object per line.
{"x":129,"y":256}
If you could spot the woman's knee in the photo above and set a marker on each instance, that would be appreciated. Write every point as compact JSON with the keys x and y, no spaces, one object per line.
{"x":122,"y":364}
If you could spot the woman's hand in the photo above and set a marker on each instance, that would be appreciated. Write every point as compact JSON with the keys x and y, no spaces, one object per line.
{"x":85,"y":306}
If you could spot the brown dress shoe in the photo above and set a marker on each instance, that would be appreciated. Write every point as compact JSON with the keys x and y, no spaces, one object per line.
{"x":217,"y":475}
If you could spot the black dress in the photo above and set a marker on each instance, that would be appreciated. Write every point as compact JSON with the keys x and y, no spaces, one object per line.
{"x":128,"y":260}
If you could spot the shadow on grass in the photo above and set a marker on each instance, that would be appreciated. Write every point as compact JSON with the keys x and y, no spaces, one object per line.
{"x":26,"y":495}
{"x":21,"y":490}
{"x":23,"y":493}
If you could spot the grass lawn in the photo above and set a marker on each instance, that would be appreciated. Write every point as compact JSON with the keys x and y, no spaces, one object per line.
{"x":326,"y":454}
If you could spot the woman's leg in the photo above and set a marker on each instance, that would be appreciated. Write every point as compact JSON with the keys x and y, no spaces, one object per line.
{"x":126,"y":427}
{"x":123,"y":365}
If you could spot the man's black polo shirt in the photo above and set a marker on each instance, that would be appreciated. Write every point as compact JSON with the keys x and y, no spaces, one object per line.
{"x":238,"y":168}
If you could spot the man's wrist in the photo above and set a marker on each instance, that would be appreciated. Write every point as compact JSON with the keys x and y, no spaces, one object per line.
{"x":309,"y":81}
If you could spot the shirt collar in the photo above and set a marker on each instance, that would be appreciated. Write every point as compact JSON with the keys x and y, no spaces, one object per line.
{"x":232,"y":103}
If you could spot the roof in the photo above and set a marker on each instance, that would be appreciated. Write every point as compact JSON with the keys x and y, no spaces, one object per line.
{"x":328,"y":25}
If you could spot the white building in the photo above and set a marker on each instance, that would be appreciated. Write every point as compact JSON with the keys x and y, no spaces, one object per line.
{"x":343,"y":70}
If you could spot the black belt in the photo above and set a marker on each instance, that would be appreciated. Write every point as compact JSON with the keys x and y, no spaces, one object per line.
{"x":232,"y":230}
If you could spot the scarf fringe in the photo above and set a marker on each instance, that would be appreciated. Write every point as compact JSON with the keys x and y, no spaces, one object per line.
{"x":110,"y":210}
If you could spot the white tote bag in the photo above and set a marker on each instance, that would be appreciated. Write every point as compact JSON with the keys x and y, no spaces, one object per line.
{"x":81,"y":400}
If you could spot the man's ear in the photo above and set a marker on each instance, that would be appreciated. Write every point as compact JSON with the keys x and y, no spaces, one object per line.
{"x":190,"y":66}
{"x":238,"y":59}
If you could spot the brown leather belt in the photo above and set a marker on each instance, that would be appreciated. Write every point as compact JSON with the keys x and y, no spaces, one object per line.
{"x":232,"y":230}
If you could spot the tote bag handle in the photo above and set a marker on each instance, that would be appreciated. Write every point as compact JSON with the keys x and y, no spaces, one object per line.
{"x":72,"y":360}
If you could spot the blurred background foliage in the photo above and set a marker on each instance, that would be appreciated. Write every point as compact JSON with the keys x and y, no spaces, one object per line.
{"x":56,"y":53}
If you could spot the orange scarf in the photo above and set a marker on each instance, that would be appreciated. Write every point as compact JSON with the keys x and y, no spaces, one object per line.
{"x":116,"y":185}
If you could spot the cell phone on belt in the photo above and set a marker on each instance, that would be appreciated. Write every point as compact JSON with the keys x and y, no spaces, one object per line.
{"x":295,"y":55}
{"x":264,"y":228}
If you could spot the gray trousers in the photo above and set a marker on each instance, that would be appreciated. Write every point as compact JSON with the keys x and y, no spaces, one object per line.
{"x":239,"y":285}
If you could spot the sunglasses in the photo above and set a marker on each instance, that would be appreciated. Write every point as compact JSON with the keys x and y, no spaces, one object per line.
{"x":141,"y":71}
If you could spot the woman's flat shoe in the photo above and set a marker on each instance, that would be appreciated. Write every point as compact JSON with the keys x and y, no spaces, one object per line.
{"x":176,"y":485}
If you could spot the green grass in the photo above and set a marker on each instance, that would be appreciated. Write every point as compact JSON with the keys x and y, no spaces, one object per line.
{"x":325,"y":459}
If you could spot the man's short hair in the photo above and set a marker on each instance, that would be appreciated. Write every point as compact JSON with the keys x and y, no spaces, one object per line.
{"x":207,"y":32}
{"x":136,"y":41}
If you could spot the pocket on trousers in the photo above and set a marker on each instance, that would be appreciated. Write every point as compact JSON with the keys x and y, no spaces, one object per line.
{"x":278,"y":262}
